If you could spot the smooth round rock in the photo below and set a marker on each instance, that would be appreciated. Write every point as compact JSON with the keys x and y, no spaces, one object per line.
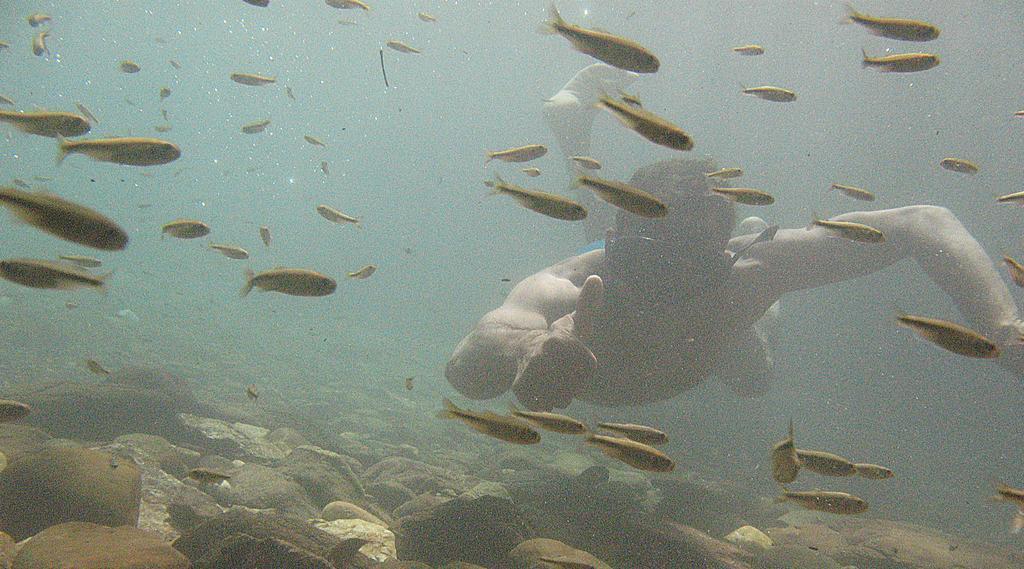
{"x":750,"y":538}
{"x":89,"y":546}
{"x":57,"y":485}
{"x":340,"y":510}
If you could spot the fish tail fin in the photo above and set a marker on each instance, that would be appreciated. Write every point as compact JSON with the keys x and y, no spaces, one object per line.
{"x":791,"y":430}
{"x":851,"y":13}
{"x":864,"y":57}
{"x":450,"y":411}
{"x":512,"y":409}
{"x":495,"y":184}
{"x":489,"y":156}
{"x":63,"y":147}
{"x":815,"y":218}
{"x":249,"y":281}
{"x":549,"y":27}
{"x":103,"y":282}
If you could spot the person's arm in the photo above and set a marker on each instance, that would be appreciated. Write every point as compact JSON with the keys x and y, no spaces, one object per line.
{"x":531,"y":343}
{"x":805,"y":258}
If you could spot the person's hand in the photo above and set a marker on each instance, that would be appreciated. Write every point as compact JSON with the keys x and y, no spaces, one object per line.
{"x":557,"y":363}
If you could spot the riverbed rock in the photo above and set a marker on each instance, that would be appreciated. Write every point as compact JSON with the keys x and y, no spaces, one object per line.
{"x":479,"y":526}
{"x":381,"y":542}
{"x":325,"y":475}
{"x":240,"y":535}
{"x":16,"y":439}
{"x":418,"y":476}
{"x":234,"y":440}
{"x":58,"y":485}
{"x":869,"y":542}
{"x":261,"y":487}
{"x":339,"y":510}
{"x":134,"y":400}
{"x":528,"y":554}
{"x":83,"y":545}
{"x":750,"y":538}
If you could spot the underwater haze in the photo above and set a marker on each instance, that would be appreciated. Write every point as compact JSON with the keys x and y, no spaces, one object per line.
{"x":408,"y":160}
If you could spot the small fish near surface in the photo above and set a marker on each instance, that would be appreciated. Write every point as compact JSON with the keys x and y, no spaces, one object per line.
{"x":314,"y":140}
{"x":639,"y":433}
{"x":38,"y":19}
{"x":252,"y":393}
{"x":725,"y":173}
{"x":164,"y":93}
{"x":39,"y":43}
{"x":325,"y":168}
{"x":128,"y":66}
{"x":551,"y":205}
{"x":873,"y":471}
{"x":770,"y":93}
{"x":6,"y":100}
{"x":745,"y":196}
{"x":294,"y":282}
{"x":647,"y":124}
{"x":85,"y":112}
{"x":129,"y":151}
{"x":425,"y":17}
{"x":531,"y":172}
{"x":823,"y":501}
{"x":892,"y":28}
{"x":185,"y":228}
{"x":207,"y":476}
{"x":255,"y":127}
{"x":637,"y":455}
{"x":950,"y":336}
{"x":39,"y":273}
{"x":586,"y":162}
{"x":900,"y":62}
{"x":1016,"y":271}
{"x":624,"y":196}
{"x":749,"y":49}
{"x":401,"y":47}
{"x":550,"y":421}
{"x":47,"y":123}
{"x":508,"y":429}
{"x":333,"y":215}
{"x":82,"y":260}
{"x":784,"y":459}
{"x":959,"y":165}
{"x":11,"y":410}
{"x":854,"y":192}
{"x":230,"y":251}
{"x":265,"y":235}
{"x":1014,"y":198}
{"x":409,"y":383}
{"x":65,"y":219}
{"x":252,"y":79}
{"x":363,"y":273}
{"x":96,"y":368}
{"x":348,"y":4}
{"x":614,"y":50}
{"x":825,"y":463}
{"x":518,"y":154}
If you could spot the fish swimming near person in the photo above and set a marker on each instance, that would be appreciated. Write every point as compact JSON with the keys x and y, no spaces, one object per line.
{"x":554,"y":422}
{"x":824,"y":501}
{"x":551,"y":205}
{"x":825,"y":463}
{"x":785,"y":461}
{"x":518,"y":154}
{"x":129,"y":151}
{"x":638,"y":455}
{"x":892,"y":28}
{"x":950,"y":336}
{"x":639,"y":433}
{"x":614,"y":50}
{"x":65,"y":219}
{"x":40,"y":273}
{"x":47,"y":123}
{"x":647,"y":124}
{"x":900,"y":62}
{"x":508,"y":429}
{"x":294,"y":282}
{"x":873,"y":471}
{"x":767,"y":234}
{"x":854,"y":192}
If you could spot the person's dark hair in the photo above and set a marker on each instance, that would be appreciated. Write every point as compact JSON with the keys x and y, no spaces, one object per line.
{"x":695,"y":214}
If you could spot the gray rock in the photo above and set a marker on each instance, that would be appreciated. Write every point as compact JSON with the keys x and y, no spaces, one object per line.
{"x":793,"y":557}
{"x":380,"y":544}
{"x":480,"y":526}
{"x":275,"y":537}
{"x":156,"y":451}
{"x":418,"y":476}
{"x":16,"y":439}
{"x":390,"y":495}
{"x":340,"y":510}
{"x":235,"y":440}
{"x":327,"y":476}
{"x":261,"y":487}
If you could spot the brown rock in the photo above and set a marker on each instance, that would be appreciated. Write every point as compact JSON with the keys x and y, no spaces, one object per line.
{"x":527,"y":554}
{"x":58,"y":485}
{"x":16,"y":440}
{"x":84,"y":545}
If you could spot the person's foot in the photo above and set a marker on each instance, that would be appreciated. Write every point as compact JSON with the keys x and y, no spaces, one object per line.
{"x":556,"y":370}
